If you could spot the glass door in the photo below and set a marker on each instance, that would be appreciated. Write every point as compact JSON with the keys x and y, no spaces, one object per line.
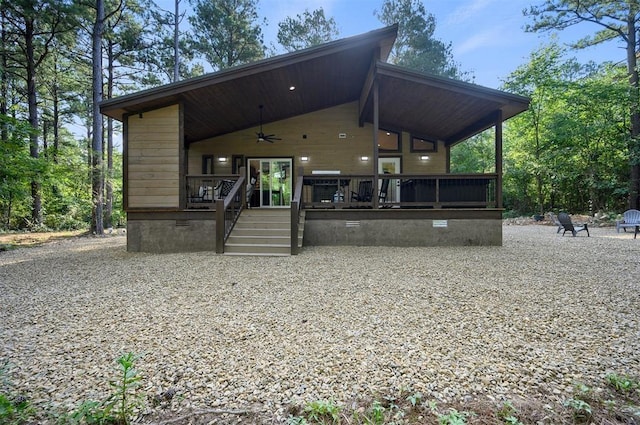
{"x":274,"y":179}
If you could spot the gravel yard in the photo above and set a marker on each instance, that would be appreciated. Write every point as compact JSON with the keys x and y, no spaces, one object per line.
{"x":530,"y":319}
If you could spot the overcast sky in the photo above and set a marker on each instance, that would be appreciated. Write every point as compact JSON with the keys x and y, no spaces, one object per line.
{"x":487,"y":36}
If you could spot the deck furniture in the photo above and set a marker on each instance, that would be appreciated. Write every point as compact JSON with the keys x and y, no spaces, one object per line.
{"x":568,"y":226}
{"x":223,"y":188}
{"x":631,"y":219}
{"x":384,"y":189}
{"x":556,"y":222}
{"x":364,"y":193}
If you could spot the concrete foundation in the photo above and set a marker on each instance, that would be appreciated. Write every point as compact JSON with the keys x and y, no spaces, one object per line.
{"x":163,"y":236}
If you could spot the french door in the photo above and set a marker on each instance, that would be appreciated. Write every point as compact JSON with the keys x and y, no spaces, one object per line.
{"x":273,"y":178}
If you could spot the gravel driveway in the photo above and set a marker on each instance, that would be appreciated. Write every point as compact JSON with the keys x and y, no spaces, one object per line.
{"x":531,"y":318}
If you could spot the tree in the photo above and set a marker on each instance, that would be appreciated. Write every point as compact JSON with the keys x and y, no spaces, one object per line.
{"x":225,"y":32}
{"x":33,"y":26}
{"x":415,"y":46}
{"x":97,"y":172}
{"x":541,"y":80}
{"x":306,"y":30}
{"x":618,"y":20}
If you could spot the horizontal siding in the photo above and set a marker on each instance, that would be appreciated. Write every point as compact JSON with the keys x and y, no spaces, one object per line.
{"x":326,"y":151}
{"x":153,"y":158}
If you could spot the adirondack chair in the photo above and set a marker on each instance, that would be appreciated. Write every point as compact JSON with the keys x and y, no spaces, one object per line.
{"x":556,"y":222}
{"x":568,"y":226}
{"x":631,"y":219}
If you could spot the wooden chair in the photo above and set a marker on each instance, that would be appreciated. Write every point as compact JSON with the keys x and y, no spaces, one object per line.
{"x":364,"y":193}
{"x":384,"y":189}
{"x":568,"y":226}
{"x":223,"y":188}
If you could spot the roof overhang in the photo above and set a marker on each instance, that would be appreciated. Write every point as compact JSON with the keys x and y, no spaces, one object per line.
{"x":435,"y":107}
{"x":227,"y":101}
{"x":332,"y":74}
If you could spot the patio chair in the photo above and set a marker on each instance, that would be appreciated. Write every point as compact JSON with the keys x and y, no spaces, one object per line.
{"x":364,"y":193}
{"x":556,"y":222}
{"x":568,"y":226}
{"x":631,"y":218}
{"x":384,"y":188}
{"x":223,"y":188}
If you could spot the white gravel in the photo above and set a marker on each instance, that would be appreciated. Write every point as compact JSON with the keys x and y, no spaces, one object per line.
{"x":531,"y":318}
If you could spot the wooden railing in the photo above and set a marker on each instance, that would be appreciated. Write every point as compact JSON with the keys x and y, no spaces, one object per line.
{"x":400,"y":191}
{"x":296,"y":209}
{"x":203,"y":190}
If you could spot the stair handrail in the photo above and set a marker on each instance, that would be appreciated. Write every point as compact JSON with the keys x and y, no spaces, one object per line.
{"x":224,"y":221}
{"x":296,"y":209}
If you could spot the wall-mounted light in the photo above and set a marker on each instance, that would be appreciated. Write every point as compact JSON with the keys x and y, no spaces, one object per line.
{"x":292,"y":88}
{"x":424,"y":157}
{"x":364,"y":158}
{"x":222,"y":159}
{"x":304,"y":158}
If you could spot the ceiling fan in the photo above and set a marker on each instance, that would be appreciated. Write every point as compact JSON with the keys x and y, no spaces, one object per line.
{"x":265,"y":137}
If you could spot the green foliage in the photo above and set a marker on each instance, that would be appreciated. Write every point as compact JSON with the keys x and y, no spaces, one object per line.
{"x":306,"y":30}
{"x":415,"y":46}
{"x":581,"y":409}
{"x":415,"y":399}
{"x":572,"y":136}
{"x":621,"y":383}
{"x":123,"y":403}
{"x":14,"y":409}
{"x":453,"y":417}
{"x":322,"y":411}
{"x":225,"y":32}
{"x":508,"y":414}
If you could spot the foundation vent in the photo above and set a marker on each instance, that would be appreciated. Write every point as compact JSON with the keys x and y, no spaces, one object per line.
{"x":182,"y":223}
{"x":352,"y":223}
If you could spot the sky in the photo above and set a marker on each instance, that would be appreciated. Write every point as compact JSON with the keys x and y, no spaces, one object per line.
{"x":487,"y":36}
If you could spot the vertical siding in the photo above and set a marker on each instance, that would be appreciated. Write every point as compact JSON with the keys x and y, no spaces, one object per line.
{"x":153,"y":158}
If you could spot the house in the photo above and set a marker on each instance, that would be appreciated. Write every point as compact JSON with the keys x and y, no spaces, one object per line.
{"x":345,"y":148}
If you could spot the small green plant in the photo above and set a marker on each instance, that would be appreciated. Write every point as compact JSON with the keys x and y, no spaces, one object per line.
{"x":507,"y":414}
{"x":415,"y":399}
{"x":296,"y":420}
{"x":121,"y":406}
{"x":623,"y":384}
{"x":580,"y":408}
{"x":125,"y":399}
{"x":376,"y":416}
{"x":322,"y":411}
{"x":14,"y":410}
{"x":454,"y":417}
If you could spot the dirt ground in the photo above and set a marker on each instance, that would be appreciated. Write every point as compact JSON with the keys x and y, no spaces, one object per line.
{"x":23,"y":239}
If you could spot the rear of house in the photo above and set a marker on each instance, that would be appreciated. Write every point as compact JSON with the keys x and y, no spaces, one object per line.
{"x":348,"y":149}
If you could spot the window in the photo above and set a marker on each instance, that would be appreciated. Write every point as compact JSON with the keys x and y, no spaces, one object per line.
{"x":388,"y":141}
{"x":421,"y":144}
{"x":207,"y":164}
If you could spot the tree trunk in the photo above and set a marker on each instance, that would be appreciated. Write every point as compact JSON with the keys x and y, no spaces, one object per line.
{"x":97,"y":172}
{"x":176,"y":44}
{"x":634,"y":143}
{"x":32,"y":99}
{"x":108,"y":183}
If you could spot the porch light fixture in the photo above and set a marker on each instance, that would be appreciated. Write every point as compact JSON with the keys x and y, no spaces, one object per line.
{"x":364,"y":158}
{"x":222,"y":159}
{"x":424,"y":157}
{"x":292,"y":88}
{"x":304,"y":158}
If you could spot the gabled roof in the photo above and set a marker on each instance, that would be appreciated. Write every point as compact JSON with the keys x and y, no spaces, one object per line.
{"x":324,"y":76}
{"x":226,"y":101}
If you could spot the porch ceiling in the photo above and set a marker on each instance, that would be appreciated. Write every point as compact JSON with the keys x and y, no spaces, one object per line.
{"x":438,"y":108}
{"x":227,"y":101}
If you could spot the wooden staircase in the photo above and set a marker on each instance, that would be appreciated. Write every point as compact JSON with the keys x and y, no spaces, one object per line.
{"x":263,"y":232}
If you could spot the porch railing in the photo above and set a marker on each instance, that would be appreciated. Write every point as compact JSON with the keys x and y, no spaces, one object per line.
{"x":203,"y":190}
{"x":400,"y":191}
{"x":296,"y":209}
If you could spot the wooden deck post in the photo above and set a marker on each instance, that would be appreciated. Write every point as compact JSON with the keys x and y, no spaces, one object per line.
{"x":498,"y":149}
{"x":376,"y":124}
